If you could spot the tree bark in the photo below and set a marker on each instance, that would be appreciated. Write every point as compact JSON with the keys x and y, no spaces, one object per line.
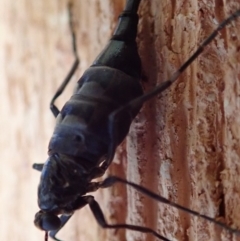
{"x":183,"y":145}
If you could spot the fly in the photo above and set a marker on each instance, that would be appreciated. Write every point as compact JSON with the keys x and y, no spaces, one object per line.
{"x":93,"y":123}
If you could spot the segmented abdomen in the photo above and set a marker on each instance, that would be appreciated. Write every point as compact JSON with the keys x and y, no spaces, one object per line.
{"x":82,"y":127}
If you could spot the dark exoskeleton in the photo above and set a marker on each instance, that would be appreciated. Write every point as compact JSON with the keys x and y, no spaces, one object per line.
{"x":93,"y":123}
{"x":80,"y":149}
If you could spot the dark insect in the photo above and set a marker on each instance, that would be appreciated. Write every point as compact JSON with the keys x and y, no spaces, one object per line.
{"x":93,"y":123}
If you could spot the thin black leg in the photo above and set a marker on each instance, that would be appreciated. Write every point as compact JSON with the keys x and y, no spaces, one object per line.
{"x":61,"y":88}
{"x":64,"y":219}
{"x":109,"y":181}
{"x":166,"y":84}
{"x":98,"y":214}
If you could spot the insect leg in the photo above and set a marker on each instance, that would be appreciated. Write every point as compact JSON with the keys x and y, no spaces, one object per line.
{"x":113,"y":117}
{"x":109,"y":181}
{"x":176,"y":75}
{"x":61,"y":88}
{"x":77,"y":204}
{"x":46,"y":236}
{"x":64,"y":219}
{"x":98,"y":214}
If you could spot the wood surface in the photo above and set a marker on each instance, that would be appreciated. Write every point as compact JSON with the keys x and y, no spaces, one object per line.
{"x":184,"y":144}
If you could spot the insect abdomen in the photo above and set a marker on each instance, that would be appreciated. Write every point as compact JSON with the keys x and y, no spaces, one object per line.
{"x":82,"y":125}
{"x":121,"y":52}
{"x":110,"y":83}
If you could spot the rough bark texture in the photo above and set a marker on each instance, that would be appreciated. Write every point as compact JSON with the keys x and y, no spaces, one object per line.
{"x":184,"y":144}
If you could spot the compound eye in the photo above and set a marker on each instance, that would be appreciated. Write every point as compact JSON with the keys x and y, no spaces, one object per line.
{"x":47,"y":221}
